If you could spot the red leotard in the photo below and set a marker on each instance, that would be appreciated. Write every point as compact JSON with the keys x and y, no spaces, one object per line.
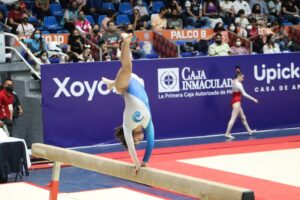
{"x":236,"y":97}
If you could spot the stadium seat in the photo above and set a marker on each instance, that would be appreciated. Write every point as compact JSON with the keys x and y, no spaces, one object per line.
{"x":108,"y":6}
{"x":56,"y":10}
{"x":4,"y":10}
{"x":100,"y":19}
{"x":125,"y":8}
{"x":50,"y":23}
{"x":180,"y":42}
{"x":152,"y":56}
{"x":156,"y":6}
{"x":90,"y":19}
{"x":122,"y":19}
{"x":45,"y":32}
{"x":187,"y":54}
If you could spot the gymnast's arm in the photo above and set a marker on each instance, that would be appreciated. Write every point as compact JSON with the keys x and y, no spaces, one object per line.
{"x":244,"y":93}
{"x":149,"y":131}
{"x":130,"y":145}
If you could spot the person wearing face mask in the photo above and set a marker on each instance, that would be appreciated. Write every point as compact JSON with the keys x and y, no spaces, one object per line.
{"x":43,"y":57}
{"x":96,"y":38}
{"x":6,"y":105}
{"x":159,"y":21}
{"x":41,"y":8}
{"x":142,"y":9}
{"x":241,"y":5}
{"x":36,"y":42}
{"x":112,"y":39}
{"x":25,"y":28}
{"x":70,"y":16}
{"x":218,"y":48}
{"x":15,"y":15}
{"x":270,"y":46}
{"x":75,"y":45}
{"x":174,"y":22}
{"x":232,"y":28}
{"x":83,"y":25}
{"x":238,"y":48}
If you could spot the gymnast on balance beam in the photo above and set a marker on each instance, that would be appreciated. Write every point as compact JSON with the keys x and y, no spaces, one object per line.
{"x":136,"y":117}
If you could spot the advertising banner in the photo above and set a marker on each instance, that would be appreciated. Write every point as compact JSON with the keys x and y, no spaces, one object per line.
{"x":188,"y":97}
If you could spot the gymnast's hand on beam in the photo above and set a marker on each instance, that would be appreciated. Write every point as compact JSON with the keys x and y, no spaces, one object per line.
{"x":144,"y":164}
{"x":137,"y":169}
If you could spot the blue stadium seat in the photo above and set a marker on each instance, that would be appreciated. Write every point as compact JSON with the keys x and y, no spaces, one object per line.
{"x":45,"y":32}
{"x":50,"y":23}
{"x":100,"y":19}
{"x":156,"y":6}
{"x":187,"y":54}
{"x":108,"y":6}
{"x":152,"y":56}
{"x":90,"y":19}
{"x":125,"y":8}
{"x":122,"y":19}
{"x":56,"y":10}
{"x":180,"y":42}
{"x":33,"y":20}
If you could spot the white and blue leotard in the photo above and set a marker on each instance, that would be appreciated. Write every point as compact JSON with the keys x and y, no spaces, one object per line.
{"x":136,"y":113}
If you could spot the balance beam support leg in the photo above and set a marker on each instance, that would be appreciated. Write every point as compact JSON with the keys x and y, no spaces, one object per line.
{"x":54,"y":185}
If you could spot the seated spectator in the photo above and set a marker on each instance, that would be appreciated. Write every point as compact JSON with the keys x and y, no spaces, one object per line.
{"x":136,"y":51}
{"x":41,"y":8}
{"x":75,"y":46}
{"x":274,"y":7}
{"x":139,"y":23}
{"x":15,"y":16}
{"x":290,"y":11}
{"x":70,"y":16}
{"x":195,"y":14}
{"x":218,"y":48}
{"x":36,"y":43}
{"x":261,"y":18}
{"x":110,"y":17}
{"x":83,"y":25}
{"x":281,"y":37}
{"x":226,"y":11}
{"x":142,"y":10}
{"x":262,"y":4}
{"x":252,"y":29}
{"x":87,"y":54}
{"x":241,"y":5}
{"x":25,"y":28}
{"x":96,"y":38}
{"x":159,"y":21}
{"x":175,"y":5}
{"x":43,"y":57}
{"x":219,"y":29}
{"x":232,"y":28}
{"x":3,"y":20}
{"x":210,"y":10}
{"x":105,"y":53}
{"x":270,"y":46}
{"x":174,"y":22}
{"x":111,"y":38}
{"x":238,"y":48}
{"x":241,"y":20}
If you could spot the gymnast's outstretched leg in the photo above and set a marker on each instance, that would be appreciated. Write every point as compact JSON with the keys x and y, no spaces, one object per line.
{"x":236,"y":107}
{"x":244,"y":121}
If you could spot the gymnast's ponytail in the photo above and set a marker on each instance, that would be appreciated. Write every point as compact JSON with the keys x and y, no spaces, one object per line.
{"x":119,"y":134}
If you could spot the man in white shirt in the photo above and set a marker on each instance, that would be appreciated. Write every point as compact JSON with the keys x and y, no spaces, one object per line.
{"x":240,"y":4}
{"x":25,"y":28}
{"x":218,"y":48}
{"x":159,"y":21}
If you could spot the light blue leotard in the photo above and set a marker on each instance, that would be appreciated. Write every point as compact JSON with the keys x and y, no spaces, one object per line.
{"x":136,"y":113}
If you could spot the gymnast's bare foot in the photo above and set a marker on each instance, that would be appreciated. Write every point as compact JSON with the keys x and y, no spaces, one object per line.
{"x":229,"y":136}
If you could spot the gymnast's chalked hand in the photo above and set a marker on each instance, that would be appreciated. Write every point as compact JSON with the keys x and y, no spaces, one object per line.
{"x":137,"y":169}
{"x":144,"y":164}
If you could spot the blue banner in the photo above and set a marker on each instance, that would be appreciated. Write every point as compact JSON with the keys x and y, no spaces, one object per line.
{"x":188,"y":97}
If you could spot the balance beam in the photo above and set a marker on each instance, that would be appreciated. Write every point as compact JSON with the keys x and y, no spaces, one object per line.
{"x":195,"y":187}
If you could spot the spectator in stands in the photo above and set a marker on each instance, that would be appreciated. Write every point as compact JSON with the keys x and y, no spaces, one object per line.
{"x":111,"y":39}
{"x":271,"y":46}
{"x":290,"y":11}
{"x":41,"y":8}
{"x":136,"y":51}
{"x":210,"y":9}
{"x":75,"y":46}
{"x":15,"y":16}
{"x":219,"y":28}
{"x":281,"y":37}
{"x":36,"y":43}
{"x":241,"y":20}
{"x":232,"y":28}
{"x":139,"y":23}
{"x":263,"y":6}
{"x":159,"y":21}
{"x":174,"y":22}
{"x":105,"y":53}
{"x":70,"y":16}
{"x":96,"y":38}
{"x":3,"y":20}
{"x":142,"y":10}
{"x":6,"y":104}
{"x":43,"y":57}
{"x":252,"y":29}
{"x":218,"y":48}
{"x":87,"y":54}
{"x":94,"y":7}
{"x":238,"y":48}
{"x":257,"y":14}
{"x":175,"y":5}
{"x":81,"y":4}
{"x":226,"y":11}
{"x":83,"y":25}
{"x":274,"y":7}
{"x":195,"y":14}
{"x":25,"y":28}
{"x":241,"y":4}
{"x":110,"y":17}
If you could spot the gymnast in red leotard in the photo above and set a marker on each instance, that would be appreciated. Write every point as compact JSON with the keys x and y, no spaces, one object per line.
{"x":237,"y":110}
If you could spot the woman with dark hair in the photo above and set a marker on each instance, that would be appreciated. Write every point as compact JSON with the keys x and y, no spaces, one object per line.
{"x":36,"y":43}
{"x":237,"y":110}
{"x":259,"y":16}
{"x":70,"y":16}
{"x":137,"y":118}
{"x":270,"y":45}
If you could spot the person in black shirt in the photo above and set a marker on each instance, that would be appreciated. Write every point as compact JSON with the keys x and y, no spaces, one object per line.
{"x":290,"y":11}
